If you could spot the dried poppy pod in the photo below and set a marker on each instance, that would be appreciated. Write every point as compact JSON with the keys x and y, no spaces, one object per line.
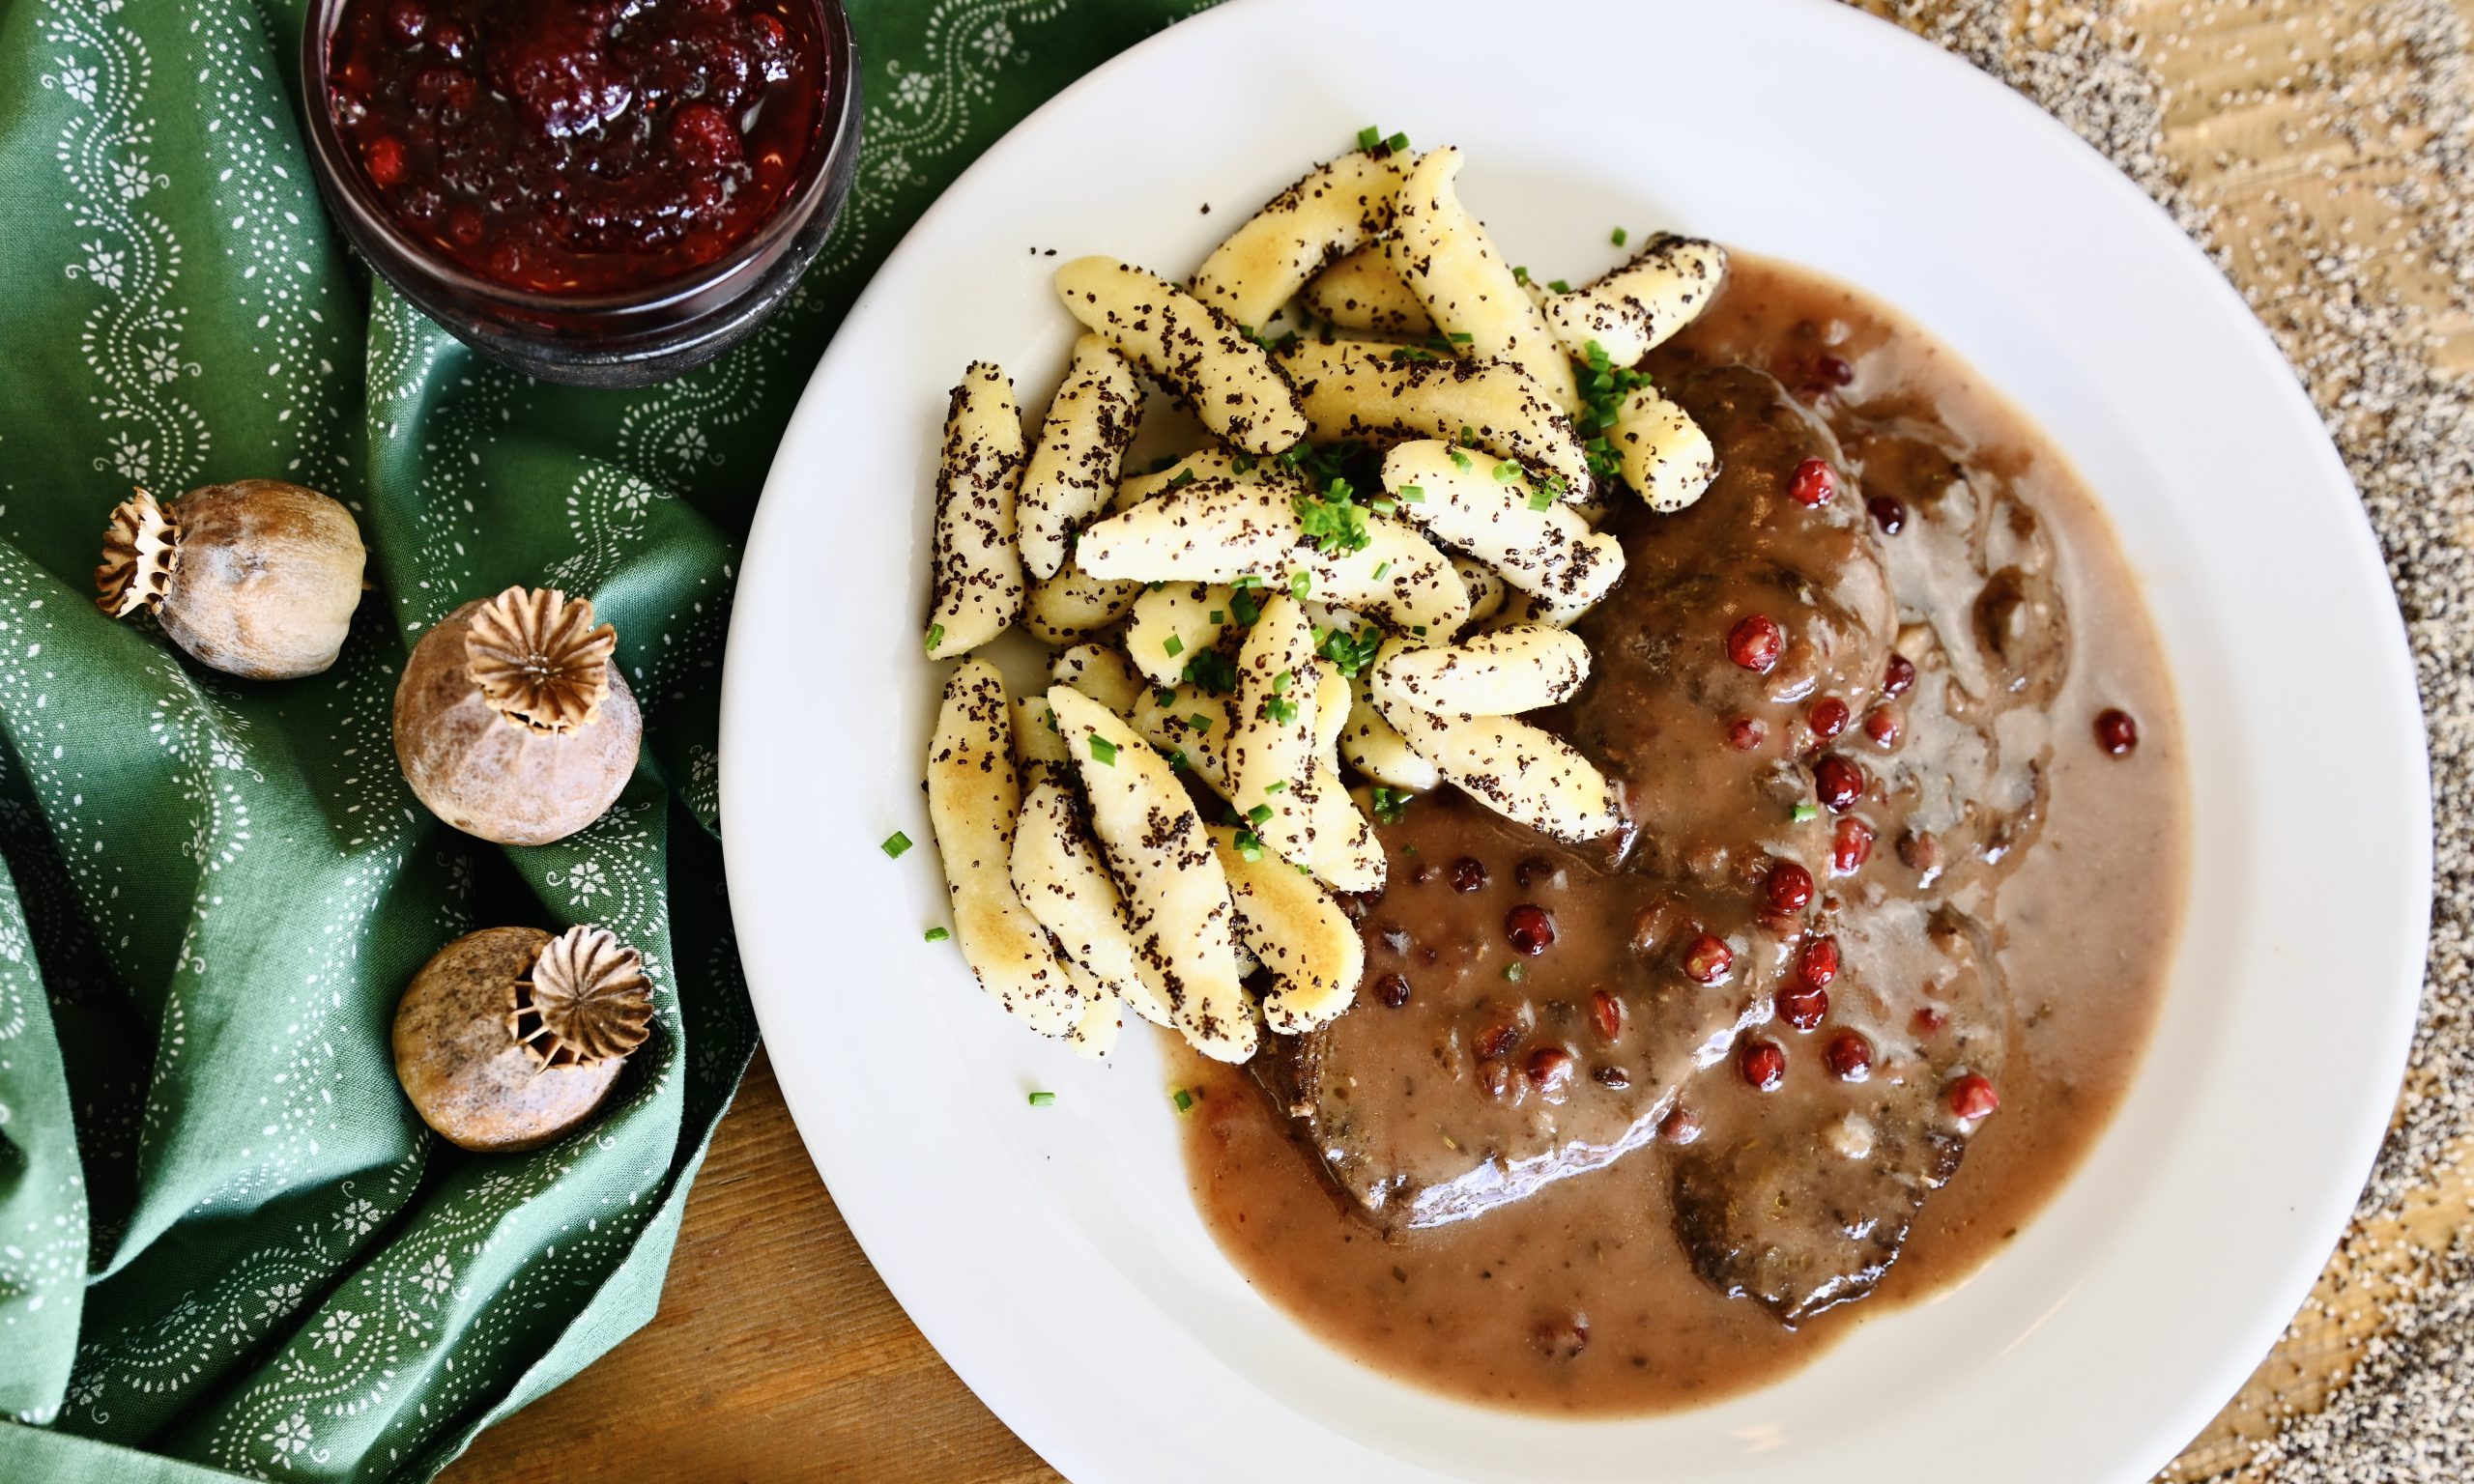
{"x":511,"y":722}
{"x":256,"y":578}
{"x":509,"y":1038}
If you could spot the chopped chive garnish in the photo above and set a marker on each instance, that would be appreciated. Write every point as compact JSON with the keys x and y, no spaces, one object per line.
{"x":1300,"y":583}
{"x":1153,"y":587}
{"x":1210,"y":671}
{"x":1806,"y":813}
{"x":1276,"y":786}
{"x":1250,"y":579}
{"x":1260,"y":814}
{"x":1506,"y":471}
{"x":1380,"y":568}
{"x":896,"y":843}
{"x":1414,"y":494}
{"x":1246,"y":606}
{"x":1220,"y":616}
{"x":1468,"y":436}
{"x":1250,"y":846}
{"x":1242,"y":463}
{"x":1280,"y":709}
{"x":1177,"y":759}
{"x":1368,"y":138}
{"x":1516,"y":972}
{"x":936,"y":637}
{"x":1181,"y":479}
{"x":1198,"y":722}
{"x":1396,"y":144}
{"x":1172,"y":645}
{"x":1539,"y":499}
{"x":1183,"y":1100}
{"x":1418,"y":629}
{"x":1164,"y":695}
{"x":1519,"y":274}
{"x":1102,"y":750}
{"x":1460,"y":460}
{"x":1389,"y":804}
{"x":1042,"y":1099}
{"x":1383,"y":504}
{"x":1280,"y":682}
{"x":1617,"y":235}
{"x":935,"y":935}
{"x":1458,"y":337}
{"x":1559,"y":286}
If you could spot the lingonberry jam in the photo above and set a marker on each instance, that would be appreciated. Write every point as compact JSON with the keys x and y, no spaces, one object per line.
{"x":577,"y":148}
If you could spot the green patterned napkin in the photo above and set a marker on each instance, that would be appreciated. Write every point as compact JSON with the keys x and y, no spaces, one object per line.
{"x":224,"y":1238}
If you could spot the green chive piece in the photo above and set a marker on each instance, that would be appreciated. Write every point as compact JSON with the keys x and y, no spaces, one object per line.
{"x":935,"y":935}
{"x":1177,"y":759}
{"x":1242,"y":463}
{"x":1460,"y":336}
{"x":1617,"y":235}
{"x":1414,"y":494}
{"x":1806,"y":813}
{"x":1280,"y":709}
{"x":1559,"y":286}
{"x":1174,"y":646}
{"x":1276,"y":786}
{"x":1280,"y":682}
{"x":936,"y":637}
{"x":1418,"y":629}
{"x":1460,"y":460}
{"x":1380,"y":568}
{"x":1198,"y":722}
{"x":895,"y":846}
{"x":1468,"y":436}
{"x":1396,"y":144}
{"x":1183,"y":1100}
{"x":1102,"y":750}
{"x":1042,"y":1099}
{"x":1539,"y":499}
{"x":1300,"y":583}
{"x":1260,"y":814}
{"x":1519,"y":274}
{"x":1506,"y":471}
{"x":1368,"y":138}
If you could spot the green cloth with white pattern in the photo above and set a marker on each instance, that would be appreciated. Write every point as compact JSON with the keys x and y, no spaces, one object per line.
{"x":225,"y":1240}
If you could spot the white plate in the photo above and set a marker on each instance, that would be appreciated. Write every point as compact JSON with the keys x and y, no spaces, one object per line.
{"x":1053,"y":1255}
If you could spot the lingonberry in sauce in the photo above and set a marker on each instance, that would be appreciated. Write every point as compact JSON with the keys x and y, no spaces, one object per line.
{"x":1708,"y":958}
{"x":1468,"y":874}
{"x":1928,"y":1020}
{"x":1851,"y":846}
{"x":1788,"y":886}
{"x":582,"y":147}
{"x":1562,"y":1337}
{"x":1972,"y":1098}
{"x":1763,"y":1063}
{"x":1534,"y":870}
{"x":2117,"y":732}
{"x":1849,"y":1055}
{"x":1801,"y":1005}
{"x":1888,"y":514}
{"x":1828,"y":717}
{"x":1834,"y":369}
{"x":1549,"y":1068}
{"x":1813,"y":482}
{"x":1754,"y":642}
{"x":1529,"y":928}
{"x":1680,"y":1126}
{"x":1606,"y":1012}
{"x":1818,"y":965}
{"x":1497,"y":1039}
{"x":1744,"y":733}
{"x":1611,"y":1076}
{"x":1393,"y":990}
{"x":1881,"y":724}
{"x":1898,"y":676}
{"x":1838,"y":781}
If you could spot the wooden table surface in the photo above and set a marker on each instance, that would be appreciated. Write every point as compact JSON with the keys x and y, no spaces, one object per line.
{"x":779,"y":1356}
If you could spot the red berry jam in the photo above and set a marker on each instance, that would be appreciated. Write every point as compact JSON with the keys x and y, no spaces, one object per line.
{"x":1851,"y":846}
{"x":1881,"y":723}
{"x":1850,"y":1056}
{"x":1468,"y":874}
{"x":1763,"y":1063}
{"x":1529,"y":928}
{"x":1744,"y":733}
{"x":579,"y":146}
{"x":1754,"y":644}
{"x":2117,"y":732}
{"x":1813,"y":482}
{"x":1818,"y":965}
{"x":1828,"y":717}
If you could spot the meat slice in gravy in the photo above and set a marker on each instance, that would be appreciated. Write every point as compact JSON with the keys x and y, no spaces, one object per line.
{"x":1809,"y":1203}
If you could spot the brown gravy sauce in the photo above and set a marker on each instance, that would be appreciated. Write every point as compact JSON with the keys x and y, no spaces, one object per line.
{"x":2083,"y":923}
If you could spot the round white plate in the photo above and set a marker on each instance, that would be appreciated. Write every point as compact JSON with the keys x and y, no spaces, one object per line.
{"x":1053,"y":1255}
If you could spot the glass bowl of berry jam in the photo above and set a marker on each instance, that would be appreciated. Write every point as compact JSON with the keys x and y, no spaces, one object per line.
{"x":601,"y":192}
